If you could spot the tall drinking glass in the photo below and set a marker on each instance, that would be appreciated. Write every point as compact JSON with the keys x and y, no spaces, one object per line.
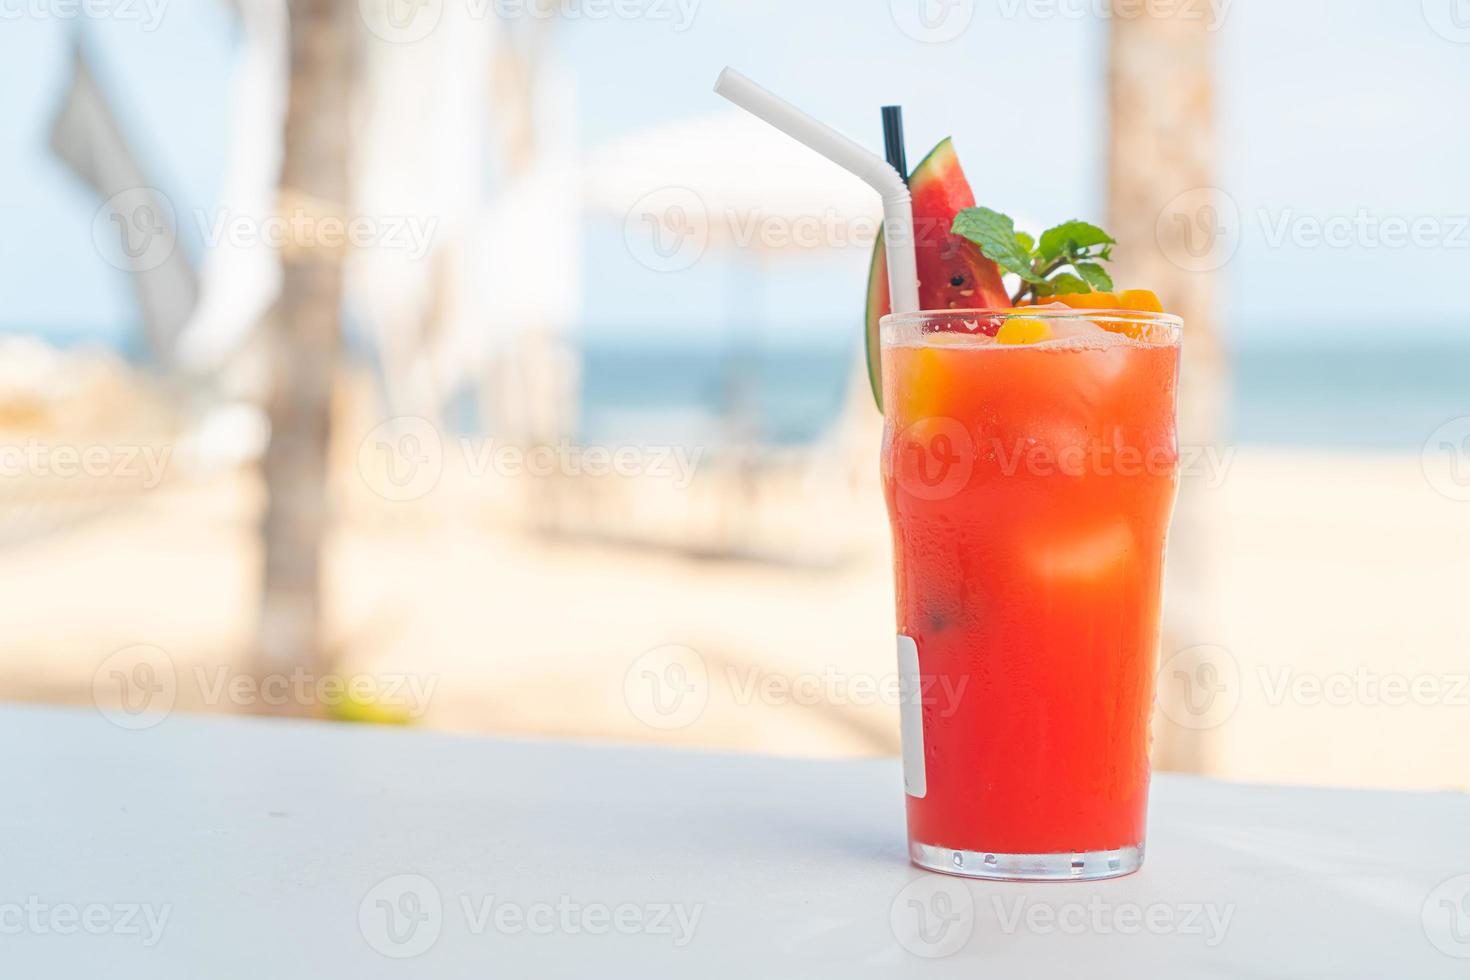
{"x":1030,"y":489}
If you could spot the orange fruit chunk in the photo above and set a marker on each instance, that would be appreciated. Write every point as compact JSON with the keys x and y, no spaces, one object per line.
{"x":1142,"y":300}
{"x":925,"y":385}
{"x":1131,"y":300}
{"x":1023,"y":330}
{"x":1137,"y":300}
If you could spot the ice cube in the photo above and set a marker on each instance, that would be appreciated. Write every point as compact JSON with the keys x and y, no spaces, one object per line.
{"x":1085,"y":555}
{"x":958,"y":340}
{"x":1067,"y":328}
{"x":1102,"y":351}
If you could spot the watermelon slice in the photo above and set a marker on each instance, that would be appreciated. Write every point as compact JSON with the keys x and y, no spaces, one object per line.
{"x":953,"y":275}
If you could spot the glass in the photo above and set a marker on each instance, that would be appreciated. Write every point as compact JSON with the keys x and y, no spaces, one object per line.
{"x":1030,"y":490}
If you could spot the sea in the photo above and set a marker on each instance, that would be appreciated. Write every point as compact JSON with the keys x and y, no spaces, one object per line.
{"x":1363,"y":397}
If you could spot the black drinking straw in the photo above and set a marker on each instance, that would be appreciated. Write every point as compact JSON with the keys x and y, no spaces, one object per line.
{"x":893,"y":140}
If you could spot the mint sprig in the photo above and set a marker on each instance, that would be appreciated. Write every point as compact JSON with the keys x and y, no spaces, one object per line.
{"x":1070,"y":238}
{"x":1039,"y":263}
{"x":996,"y":235}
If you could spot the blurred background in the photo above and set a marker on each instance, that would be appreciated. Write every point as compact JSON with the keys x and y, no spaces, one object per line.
{"x":468,"y":364}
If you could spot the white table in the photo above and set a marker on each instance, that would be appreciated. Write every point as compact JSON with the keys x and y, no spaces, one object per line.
{"x":233,"y":848}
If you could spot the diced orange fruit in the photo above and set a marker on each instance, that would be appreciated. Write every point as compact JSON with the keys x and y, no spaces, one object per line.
{"x":1142,"y":300}
{"x":1084,"y":301}
{"x":1130,"y":300}
{"x":1023,"y":330}
{"x":1138,"y":300}
{"x":927,"y":386}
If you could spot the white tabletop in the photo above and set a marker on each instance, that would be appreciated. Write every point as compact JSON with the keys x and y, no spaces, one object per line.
{"x":226,"y":848}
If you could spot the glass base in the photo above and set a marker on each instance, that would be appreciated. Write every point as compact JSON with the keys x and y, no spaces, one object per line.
{"x":1066,"y":866}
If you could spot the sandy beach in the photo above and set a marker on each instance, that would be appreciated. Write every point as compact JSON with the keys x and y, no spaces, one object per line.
{"x":513,"y":633}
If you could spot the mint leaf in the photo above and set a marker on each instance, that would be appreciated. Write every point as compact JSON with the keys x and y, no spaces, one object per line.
{"x":1069,"y":238}
{"x":1097,"y":277}
{"x":1078,"y":244}
{"x":995,"y":233}
{"x":1064,"y":283}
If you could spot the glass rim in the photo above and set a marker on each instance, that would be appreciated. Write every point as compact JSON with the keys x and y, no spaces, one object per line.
{"x":1036,"y":313}
{"x":1148,"y":329}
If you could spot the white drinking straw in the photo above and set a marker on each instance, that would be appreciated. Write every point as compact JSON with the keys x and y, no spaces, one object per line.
{"x":898,"y":210}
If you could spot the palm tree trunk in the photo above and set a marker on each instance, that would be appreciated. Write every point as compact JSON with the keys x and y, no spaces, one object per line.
{"x":305,"y":336}
{"x":1161,"y":160}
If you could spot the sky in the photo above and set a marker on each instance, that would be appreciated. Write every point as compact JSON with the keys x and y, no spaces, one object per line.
{"x":1334,"y":114}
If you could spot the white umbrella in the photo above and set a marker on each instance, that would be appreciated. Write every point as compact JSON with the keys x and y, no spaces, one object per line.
{"x":734,"y":179}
